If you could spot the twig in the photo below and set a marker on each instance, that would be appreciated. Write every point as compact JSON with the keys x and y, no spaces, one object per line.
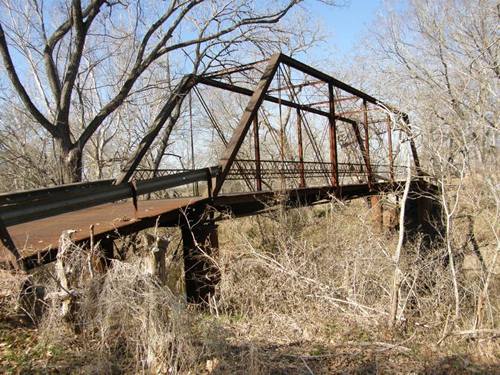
{"x":307,"y":366}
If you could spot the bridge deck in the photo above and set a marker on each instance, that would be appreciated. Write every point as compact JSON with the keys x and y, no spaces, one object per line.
{"x":43,"y":235}
{"x":37,"y":240}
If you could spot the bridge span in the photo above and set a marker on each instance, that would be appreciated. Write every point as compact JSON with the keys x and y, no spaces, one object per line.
{"x":331,"y":141}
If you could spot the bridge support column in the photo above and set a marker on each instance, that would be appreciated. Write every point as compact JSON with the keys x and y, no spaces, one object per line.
{"x":377,"y":213}
{"x":423,"y":216}
{"x":200,"y":245}
{"x":107,"y":245}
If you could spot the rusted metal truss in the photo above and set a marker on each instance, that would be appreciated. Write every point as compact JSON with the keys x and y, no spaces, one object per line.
{"x":21,"y":207}
{"x":262,"y":93}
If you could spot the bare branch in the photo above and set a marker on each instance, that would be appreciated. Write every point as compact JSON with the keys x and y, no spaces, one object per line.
{"x":18,"y":86}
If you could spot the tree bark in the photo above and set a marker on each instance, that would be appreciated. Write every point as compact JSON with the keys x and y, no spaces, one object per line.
{"x":396,"y":281}
{"x":70,"y":162}
{"x":166,"y":136}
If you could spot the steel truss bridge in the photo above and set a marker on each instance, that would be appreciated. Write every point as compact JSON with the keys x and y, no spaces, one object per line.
{"x":245,"y":181}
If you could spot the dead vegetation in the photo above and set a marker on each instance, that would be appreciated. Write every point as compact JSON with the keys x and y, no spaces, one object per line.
{"x":302,"y":291}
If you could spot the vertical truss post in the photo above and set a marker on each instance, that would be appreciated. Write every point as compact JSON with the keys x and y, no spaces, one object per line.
{"x":333,"y":139}
{"x":9,"y":253}
{"x":282,"y":135}
{"x":256,"y":144}
{"x":242,"y":128}
{"x":367,"y":145}
{"x":196,"y":190}
{"x":389,"y":141}
{"x":302,"y":182}
{"x":413,"y":147}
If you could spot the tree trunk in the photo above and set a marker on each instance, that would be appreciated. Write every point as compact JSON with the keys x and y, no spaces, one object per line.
{"x":70,"y":162}
{"x":166,"y":136}
{"x":397,"y":278}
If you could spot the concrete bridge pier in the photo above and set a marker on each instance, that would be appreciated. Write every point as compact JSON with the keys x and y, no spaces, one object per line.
{"x":423,"y":215}
{"x":200,"y":246}
{"x":377,"y":212}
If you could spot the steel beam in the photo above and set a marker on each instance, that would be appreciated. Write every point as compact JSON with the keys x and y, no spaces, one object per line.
{"x":36,"y":195}
{"x":55,"y":206}
{"x":177,"y":95}
{"x":302,"y":181}
{"x":249,"y":92}
{"x":256,"y":145}
{"x":367,"y":145}
{"x":245,"y":121}
{"x":300,"y":85}
{"x":333,"y":139}
{"x":268,"y":98}
{"x":358,"y":111}
{"x":287,"y":60}
{"x":234,"y":69}
{"x":339,"y":99}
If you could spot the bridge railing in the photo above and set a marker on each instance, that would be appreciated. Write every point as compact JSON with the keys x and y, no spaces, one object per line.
{"x":21,"y":207}
{"x":304,"y":171}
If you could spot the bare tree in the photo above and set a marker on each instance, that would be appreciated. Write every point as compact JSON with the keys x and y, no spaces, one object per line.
{"x":58,"y":71}
{"x":441,"y":59}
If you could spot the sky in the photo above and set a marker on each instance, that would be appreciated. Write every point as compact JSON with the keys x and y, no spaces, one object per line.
{"x":344,"y":26}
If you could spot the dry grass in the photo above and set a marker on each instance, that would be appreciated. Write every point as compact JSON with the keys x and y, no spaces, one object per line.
{"x":302,"y":291}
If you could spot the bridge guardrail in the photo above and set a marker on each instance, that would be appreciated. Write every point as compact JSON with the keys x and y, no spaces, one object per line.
{"x":32,"y":195}
{"x":47,"y":202}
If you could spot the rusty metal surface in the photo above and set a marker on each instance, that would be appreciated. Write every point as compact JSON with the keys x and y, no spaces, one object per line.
{"x":35,"y":230}
{"x":43,"y":235}
{"x":56,"y":204}
{"x":37,"y":240}
{"x":256,"y":145}
{"x":241,"y":130}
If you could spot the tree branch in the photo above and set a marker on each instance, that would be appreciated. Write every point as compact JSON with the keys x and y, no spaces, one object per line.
{"x":138,"y":68}
{"x":73,"y":65}
{"x":142,"y":64}
{"x":50,"y":66}
{"x":18,"y":86}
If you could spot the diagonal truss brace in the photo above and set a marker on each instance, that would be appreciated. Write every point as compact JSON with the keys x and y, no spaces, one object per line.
{"x":259,"y":95}
{"x":246,"y":120}
{"x":180,"y":91}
